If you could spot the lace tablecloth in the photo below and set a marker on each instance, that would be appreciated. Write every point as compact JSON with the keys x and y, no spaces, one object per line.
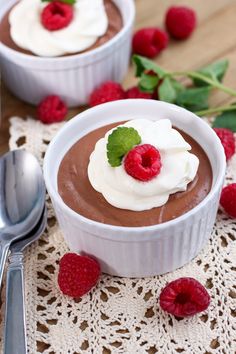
{"x":123,"y":315}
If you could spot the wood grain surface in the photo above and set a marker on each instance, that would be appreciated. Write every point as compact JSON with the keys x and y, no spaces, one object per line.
{"x":214,"y":38}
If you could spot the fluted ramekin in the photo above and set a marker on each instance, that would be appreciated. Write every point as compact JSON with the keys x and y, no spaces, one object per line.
{"x":73,"y":77}
{"x":137,"y":251}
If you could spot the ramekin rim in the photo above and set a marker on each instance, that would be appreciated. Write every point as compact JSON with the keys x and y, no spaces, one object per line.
{"x":108,"y":227}
{"x":79,"y":56}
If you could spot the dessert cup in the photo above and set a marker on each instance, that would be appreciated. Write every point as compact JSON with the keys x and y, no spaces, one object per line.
{"x":72,"y":77}
{"x":137,"y":251}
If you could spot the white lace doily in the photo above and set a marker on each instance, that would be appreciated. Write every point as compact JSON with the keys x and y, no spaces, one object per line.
{"x":123,"y":315}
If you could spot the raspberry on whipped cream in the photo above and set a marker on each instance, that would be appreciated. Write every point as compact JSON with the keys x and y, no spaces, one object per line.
{"x":143,"y":162}
{"x":179,"y":168}
{"x":89,"y":22}
{"x":56,"y":15}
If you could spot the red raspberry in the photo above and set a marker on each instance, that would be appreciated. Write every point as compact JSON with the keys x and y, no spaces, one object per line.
{"x":51,"y":110}
{"x":227,"y":139}
{"x":143,"y":162}
{"x":149,"y":41}
{"x":135,"y":92}
{"x":56,"y":15}
{"x":77,"y":274}
{"x":108,"y":91}
{"x":180,"y":21}
{"x":184,"y":297}
{"x":228,"y":199}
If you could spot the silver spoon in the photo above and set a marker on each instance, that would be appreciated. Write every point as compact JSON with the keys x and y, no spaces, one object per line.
{"x":22,"y":198}
{"x":15,"y":331}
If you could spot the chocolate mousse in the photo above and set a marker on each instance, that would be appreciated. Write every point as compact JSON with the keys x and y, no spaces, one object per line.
{"x":76,"y":191}
{"x":114,"y":26}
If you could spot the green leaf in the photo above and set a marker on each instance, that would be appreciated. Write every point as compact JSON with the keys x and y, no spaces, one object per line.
{"x":120,"y":141}
{"x":177,"y":86}
{"x":169,"y":89}
{"x":194,"y":99}
{"x":70,"y":2}
{"x":148,"y":83}
{"x":226,"y":120}
{"x":215,"y":71}
{"x":144,"y":64}
{"x":166,"y":91}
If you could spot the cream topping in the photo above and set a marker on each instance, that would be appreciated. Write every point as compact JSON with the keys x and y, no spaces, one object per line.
{"x":89,"y":22}
{"x":179,"y":167}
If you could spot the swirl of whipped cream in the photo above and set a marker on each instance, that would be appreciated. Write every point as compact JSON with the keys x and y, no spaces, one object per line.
{"x":89,"y":22}
{"x":179,"y":167}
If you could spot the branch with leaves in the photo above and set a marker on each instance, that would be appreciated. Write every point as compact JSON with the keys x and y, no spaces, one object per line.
{"x":154,"y":79}
{"x":69,"y":2}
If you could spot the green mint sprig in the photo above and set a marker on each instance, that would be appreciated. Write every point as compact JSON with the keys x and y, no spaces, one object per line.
{"x":69,"y":2}
{"x":120,"y":141}
{"x":195,"y":97}
{"x":227,"y":119}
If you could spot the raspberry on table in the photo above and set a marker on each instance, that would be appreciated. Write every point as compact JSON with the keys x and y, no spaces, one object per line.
{"x":135,"y":92}
{"x":57,"y":15}
{"x":184,"y":297}
{"x":228,"y":199}
{"x":51,"y":110}
{"x":143,"y":162}
{"x":180,"y":21}
{"x":108,"y":91}
{"x":77,"y":274}
{"x":149,"y":41}
{"x":227,"y":139}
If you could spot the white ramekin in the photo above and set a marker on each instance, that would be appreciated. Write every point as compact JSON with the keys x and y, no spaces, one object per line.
{"x":137,"y":251}
{"x":72,"y":77}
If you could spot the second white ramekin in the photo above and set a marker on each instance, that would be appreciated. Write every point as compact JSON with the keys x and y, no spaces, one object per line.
{"x":74,"y":77}
{"x":137,"y":251}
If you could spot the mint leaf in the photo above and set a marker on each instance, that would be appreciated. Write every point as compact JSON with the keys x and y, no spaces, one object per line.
{"x":148,"y":83}
{"x":194,"y":99}
{"x":69,"y":2}
{"x":177,"y":86}
{"x":166,"y":91}
{"x":144,"y":64}
{"x":169,"y":90}
{"x":120,"y":141}
{"x":226,"y":120}
{"x":215,"y":71}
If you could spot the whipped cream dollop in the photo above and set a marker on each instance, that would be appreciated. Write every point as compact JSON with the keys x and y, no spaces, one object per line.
{"x":89,"y":22}
{"x":179,"y":167}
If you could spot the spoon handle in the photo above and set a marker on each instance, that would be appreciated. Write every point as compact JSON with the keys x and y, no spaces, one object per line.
{"x":4,"y":248}
{"x":15,"y":334}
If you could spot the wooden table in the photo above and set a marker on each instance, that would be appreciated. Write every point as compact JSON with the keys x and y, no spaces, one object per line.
{"x":214,"y":38}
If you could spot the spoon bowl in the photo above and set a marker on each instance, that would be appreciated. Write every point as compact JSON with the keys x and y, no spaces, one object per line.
{"x":22,"y":198}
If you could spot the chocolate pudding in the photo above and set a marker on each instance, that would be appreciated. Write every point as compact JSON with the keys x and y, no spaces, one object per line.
{"x":76,"y":191}
{"x":114,"y":26}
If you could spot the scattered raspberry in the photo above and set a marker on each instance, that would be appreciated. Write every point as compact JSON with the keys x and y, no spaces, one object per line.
{"x":149,"y":42}
{"x":143,"y":162}
{"x":77,"y":274}
{"x":51,"y":110}
{"x":56,"y":15}
{"x":228,"y":199}
{"x":135,"y":92}
{"x":227,"y":139}
{"x":108,"y":91}
{"x":184,"y":297}
{"x":180,"y":21}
